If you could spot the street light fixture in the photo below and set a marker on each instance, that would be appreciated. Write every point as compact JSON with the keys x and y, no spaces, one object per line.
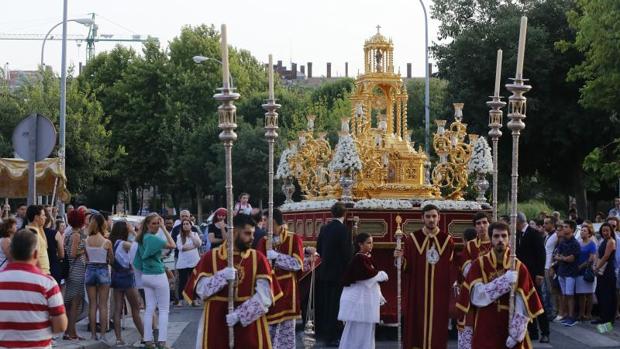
{"x":202,"y":59}
{"x":82,"y":21}
{"x":427,"y":107}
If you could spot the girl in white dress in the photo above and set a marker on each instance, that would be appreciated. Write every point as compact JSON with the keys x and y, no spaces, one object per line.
{"x":361,"y":297}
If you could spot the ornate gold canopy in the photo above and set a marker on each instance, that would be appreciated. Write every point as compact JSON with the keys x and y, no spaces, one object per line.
{"x":391,"y":167}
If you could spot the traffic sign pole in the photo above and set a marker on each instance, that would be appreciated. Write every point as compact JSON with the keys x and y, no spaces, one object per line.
{"x":32,"y":179}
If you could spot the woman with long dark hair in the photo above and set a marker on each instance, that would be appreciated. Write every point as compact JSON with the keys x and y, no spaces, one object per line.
{"x":55,"y":246}
{"x":606,"y":282}
{"x":123,"y":281}
{"x":156,"y":287}
{"x":188,"y":244}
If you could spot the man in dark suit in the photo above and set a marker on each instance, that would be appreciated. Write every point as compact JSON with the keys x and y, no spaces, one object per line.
{"x":531,"y":251}
{"x":334,"y":247}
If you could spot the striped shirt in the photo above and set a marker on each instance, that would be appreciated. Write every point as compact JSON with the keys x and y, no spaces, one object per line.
{"x":28,"y":298}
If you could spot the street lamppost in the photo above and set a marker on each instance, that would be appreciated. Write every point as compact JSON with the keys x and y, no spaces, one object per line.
{"x":82,"y":21}
{"x":201,"y":59}
{"x":62,"y":118}
{"x":427,"y":107}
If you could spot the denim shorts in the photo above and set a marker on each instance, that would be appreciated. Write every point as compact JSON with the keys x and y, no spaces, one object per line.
{"x":567,"y":284}
{"x":97,"y":274}
{"x":123,"y":280}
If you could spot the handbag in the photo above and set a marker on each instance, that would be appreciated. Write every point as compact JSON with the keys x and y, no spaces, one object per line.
{"x":600,"y":271}
{"x":588,"y":274}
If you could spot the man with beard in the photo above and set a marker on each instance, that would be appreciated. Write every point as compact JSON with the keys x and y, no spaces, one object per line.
{"x":286,"y":259}
{"x":255,"y":292}
{"x":487,"y":293}
{"x":474,"y":248}
{"x":427,"y":262}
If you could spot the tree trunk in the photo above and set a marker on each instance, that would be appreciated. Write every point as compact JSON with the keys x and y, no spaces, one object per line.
{"x":198,"y":204}
{"x":581,"y":194}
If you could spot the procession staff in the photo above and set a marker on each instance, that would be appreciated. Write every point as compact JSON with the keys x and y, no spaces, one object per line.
{"x":255,"y":292}
{"x":427,"y":264}
{"x":487,"y":293}
{"x":286,"y":256}
{"x":474,"y":248}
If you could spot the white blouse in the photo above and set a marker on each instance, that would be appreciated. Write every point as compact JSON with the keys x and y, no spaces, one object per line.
{"x":188,"y":259}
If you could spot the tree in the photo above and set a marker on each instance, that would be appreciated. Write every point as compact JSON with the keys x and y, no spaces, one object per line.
{"x":597,"y":26}
{"x":596,"y":23}
{"x":87,"y":153}
{"x":556,"y":123}
{"x":439,"y":106}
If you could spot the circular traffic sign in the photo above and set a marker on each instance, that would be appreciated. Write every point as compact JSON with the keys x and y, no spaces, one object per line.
{"x":43,"y":142}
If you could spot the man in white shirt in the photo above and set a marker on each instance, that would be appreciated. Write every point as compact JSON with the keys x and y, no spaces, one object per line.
{"x":551,"y":295}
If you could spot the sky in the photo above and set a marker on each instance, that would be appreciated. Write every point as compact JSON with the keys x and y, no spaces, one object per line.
{"x":317,"y":31}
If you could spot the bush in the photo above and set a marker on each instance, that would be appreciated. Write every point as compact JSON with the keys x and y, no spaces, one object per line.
{"x":531,"y":208}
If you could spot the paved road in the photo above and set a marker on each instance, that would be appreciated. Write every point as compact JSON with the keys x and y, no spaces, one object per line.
{"x":183,"y":325}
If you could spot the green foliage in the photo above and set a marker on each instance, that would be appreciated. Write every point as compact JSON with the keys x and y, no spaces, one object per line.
{"x":88,"y":154}
{"x":559,"y":132}
{"x":603,"y":164}
{"x":532,"y":208}
{"x":439,"y":106}
{"x":597,"y":23}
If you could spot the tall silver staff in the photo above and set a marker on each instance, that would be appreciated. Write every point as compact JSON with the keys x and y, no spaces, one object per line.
{"x":271,"y":133}
{"x":399,"y":264}
{"x":517,"y":109}
{"x":227,"y":113}
{"x":495,"y":124}
{"x":309,"y":333}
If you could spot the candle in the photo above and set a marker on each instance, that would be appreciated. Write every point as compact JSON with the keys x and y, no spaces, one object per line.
{"x":225,"y":72}
{"x":271,"y":96}
{"x":498,"y":73}
{"x":521,"y":52}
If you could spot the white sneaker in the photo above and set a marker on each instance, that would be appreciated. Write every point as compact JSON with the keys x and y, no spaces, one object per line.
{"x":558,"y":318}
{"x":138,"y":344}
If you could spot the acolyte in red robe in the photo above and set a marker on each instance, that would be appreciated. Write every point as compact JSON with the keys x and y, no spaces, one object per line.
{"x":360,"y":268}
{"x":426,"y":288}
{"x":491,"y":322}
{"x":250,"y":266}
{"x":288,"y":306}
{"x":474,"y":249}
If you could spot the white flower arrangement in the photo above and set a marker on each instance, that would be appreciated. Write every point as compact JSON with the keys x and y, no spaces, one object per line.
{"x":383,"y":204}
{"x":346,"y":156}
{"x":308,"y":205}
{"x":453,"y":205}
{"x":481,"y":160}
{"x":284,"y":170}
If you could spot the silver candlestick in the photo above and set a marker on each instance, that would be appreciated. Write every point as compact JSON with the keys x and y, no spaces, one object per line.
{"x":517,"y":109}
{"x":495,"y":124}
{"x":227,"y":114}
{"x":271,"y":133}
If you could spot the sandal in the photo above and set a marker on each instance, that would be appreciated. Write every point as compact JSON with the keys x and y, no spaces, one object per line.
{"x":120,"y":343}
{"x":67,"y":337}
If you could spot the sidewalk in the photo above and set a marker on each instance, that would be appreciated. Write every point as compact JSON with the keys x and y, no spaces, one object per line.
{"x":130,"y":333}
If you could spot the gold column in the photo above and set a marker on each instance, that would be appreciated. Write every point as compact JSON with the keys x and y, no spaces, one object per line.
{"x":404,"y":116}
{"x":398,"y":118}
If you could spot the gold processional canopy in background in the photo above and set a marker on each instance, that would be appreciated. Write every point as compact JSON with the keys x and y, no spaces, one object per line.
{"x":49,"y":175}
{"x":391,"y":166}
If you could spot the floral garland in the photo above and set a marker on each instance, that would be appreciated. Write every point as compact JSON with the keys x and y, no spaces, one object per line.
{"x":383,"y":203}
{"x":481,"y":161}
{"x":453,"y":205}
{"x":284,"y":170}
{"x":346,"y":156}
{"x":308,"y":205}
